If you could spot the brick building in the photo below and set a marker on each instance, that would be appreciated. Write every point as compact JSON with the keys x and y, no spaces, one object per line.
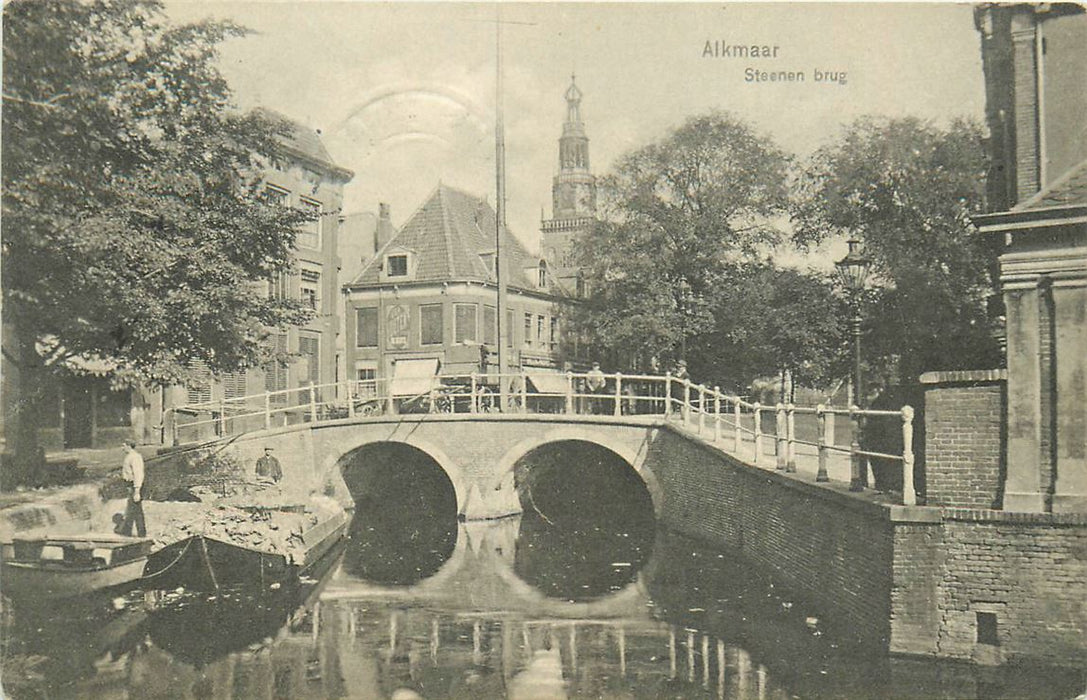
{"x":427,"y":303}
{"x":1035,"y":60}
{"x":301,"y":174}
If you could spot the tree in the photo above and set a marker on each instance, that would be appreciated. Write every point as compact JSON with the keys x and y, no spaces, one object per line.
{"x":905,"y":187}
{"x":674,"y":216}
{"x":136,"y":229}
{"x":771,"y":321}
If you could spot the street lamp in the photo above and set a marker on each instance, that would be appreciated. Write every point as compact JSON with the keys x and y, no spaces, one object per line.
{"x":853,"y":271}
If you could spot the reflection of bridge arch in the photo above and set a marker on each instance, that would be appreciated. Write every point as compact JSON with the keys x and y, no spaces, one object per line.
{"x":634,"y":456}
{"x":446,"y":463}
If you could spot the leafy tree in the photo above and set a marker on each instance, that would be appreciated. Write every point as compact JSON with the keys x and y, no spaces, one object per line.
{"x":135,"y":226}
{"x":675,"y":214}
{"x":905,"y":187}
{"x":771,"y":320}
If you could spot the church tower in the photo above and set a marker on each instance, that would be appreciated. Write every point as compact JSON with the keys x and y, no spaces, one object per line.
{"x":573,"y":190}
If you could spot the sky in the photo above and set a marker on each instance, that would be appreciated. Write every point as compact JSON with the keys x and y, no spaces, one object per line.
{"x":404,"y":93}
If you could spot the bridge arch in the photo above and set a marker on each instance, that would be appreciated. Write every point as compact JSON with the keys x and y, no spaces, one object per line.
{"x":447,"y":464}
{"x":633,"y":454}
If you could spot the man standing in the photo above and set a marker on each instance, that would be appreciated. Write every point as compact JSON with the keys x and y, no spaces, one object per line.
{"x":132,"y":471}
{"x":595,"y":381}
{"x":268,"y":466}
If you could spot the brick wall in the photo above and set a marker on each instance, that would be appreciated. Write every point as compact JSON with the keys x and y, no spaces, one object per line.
{"x":831,"y":549}
{"x":965,"y":438}
{"x":1028,"y":570}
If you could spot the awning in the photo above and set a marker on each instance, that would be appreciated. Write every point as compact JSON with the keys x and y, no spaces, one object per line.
{"x":413,"y":377}
{"x":548,"y":382}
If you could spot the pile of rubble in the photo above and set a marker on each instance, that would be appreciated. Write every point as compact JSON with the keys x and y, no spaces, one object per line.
{"x":263,"y":520}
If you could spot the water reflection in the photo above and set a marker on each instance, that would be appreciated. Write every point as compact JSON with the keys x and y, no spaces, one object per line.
{"x":491,"y":622}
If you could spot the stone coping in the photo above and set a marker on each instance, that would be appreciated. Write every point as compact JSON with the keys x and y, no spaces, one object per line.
{"x":964,"y":376}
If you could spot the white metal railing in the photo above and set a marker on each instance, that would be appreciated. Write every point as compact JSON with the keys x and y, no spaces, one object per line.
{"x":748,"y":430}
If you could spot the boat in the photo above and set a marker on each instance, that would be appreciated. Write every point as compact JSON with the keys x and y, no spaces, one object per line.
{"x":67,"y":566}
{"x":207,"y":562}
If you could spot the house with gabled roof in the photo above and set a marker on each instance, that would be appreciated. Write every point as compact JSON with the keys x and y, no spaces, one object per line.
{"x":427,"y":303}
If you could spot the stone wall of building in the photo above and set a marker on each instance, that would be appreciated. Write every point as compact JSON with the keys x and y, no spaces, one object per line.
{"x":965,"y":438}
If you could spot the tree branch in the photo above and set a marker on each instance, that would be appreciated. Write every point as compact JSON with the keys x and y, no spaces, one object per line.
{"x":51,"y":103}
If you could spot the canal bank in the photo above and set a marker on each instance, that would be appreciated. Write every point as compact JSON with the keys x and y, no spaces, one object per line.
{"x":981,"y":585}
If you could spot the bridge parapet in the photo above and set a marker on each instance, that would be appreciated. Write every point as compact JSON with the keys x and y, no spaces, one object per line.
{"x":788,"y":436}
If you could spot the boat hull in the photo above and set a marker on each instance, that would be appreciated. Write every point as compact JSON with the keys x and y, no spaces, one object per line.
{"x":31,"y":581}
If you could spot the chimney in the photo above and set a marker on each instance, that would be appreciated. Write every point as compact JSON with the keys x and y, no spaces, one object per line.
{"x":385,"y":229}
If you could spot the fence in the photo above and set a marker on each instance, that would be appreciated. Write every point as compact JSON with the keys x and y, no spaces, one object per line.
{"x":750,"y":431}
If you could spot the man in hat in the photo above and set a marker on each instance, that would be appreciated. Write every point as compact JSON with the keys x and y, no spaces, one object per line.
{"x":595,"y":381}
{"x":132,"y":471}
{"x":268,"y":466}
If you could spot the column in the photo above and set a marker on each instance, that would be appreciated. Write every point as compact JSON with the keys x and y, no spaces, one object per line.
{"x":1070,"y":357}
{"x":1022,"y":486}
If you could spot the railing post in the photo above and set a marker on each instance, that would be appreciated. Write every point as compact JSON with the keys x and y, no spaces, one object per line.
{"x":757,"y":408}
{"x":790,"y":425}
{"x":173,"y":425}
{"x":390,"y":398}
{"x":222,"y":418}
{"x":667,"y":394}
{"x":716,"y":414}
{"x":350,"y":398}
{"x":909,"y":494}
{"x":475,"y":396}
{"x":856,"y":478}
{"x":618,"y":394}
{"x":737,"y":431}
{"x":685,"y":409}
{"x":821,"y":413}
{"x":779,"y":436}
{"x":312,"y":403}
{"x":267,"y":410}
{"x":524,"y":391}
{"x":569,"y":393}
{"x":701,"y":408}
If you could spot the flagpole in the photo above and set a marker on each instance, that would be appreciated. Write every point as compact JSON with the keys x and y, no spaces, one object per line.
{"x":500,"y":219}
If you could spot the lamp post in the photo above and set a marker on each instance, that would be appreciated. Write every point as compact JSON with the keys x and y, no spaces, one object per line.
{"x":853,"y":271}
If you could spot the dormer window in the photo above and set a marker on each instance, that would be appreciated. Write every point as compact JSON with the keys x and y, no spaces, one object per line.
{"x":396,"y":265}
{"x":541,"y":280}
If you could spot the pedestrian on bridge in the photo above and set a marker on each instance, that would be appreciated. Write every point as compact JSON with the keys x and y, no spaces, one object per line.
{"x":595,"y":381}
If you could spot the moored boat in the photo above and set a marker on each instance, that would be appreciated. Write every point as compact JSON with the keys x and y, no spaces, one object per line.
{"x":53,"y":567}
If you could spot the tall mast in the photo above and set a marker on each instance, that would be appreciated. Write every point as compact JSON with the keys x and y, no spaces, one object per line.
{"x":500,"y":216}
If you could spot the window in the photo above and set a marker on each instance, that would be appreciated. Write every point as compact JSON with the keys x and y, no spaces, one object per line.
{"x":554,"y":333}
{"x":541,"y":337}
{"x":311,"y":289}
{"x":490,"y":325}
{"x":581,"y":289}
{"x":233,"y":384}
{"x":199,"y":389}
{"x":366,"y":328}
{"x":309,"y":233}
{"x":278,"y":285}
{"x":541,"y":280}
{"x":488,"y":261}
{"x":396,"y":266}
{"x":987,"y":629}
{"x":309,"y":347}
{"x":431,"y":331}
{"x":275,"y":375}
{"x":276,"y":196}
{"x":528,"y":330}
{"x":366,"y":378}
{"x":464,"y":323}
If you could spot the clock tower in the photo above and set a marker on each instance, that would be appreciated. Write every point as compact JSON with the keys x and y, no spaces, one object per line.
{"x":573,"y":190}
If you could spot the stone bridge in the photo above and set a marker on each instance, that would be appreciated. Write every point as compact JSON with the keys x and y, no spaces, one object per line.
{"x":478,"y":453}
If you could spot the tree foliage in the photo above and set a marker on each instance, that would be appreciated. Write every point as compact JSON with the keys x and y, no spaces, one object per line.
{"x":905,"y":187}
{"x":135,"y":225}
{"x":675,"y":215}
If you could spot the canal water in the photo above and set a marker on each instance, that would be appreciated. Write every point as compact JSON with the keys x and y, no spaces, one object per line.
{"x":550,"y":604}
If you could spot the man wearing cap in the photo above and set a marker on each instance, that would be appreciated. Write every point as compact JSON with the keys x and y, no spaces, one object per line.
{"x":268,"y":466}
{"x":595,"y":381}
{"x":132,"y":471}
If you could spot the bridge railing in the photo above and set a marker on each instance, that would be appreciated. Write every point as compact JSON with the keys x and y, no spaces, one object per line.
{"x":780,"y":434}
